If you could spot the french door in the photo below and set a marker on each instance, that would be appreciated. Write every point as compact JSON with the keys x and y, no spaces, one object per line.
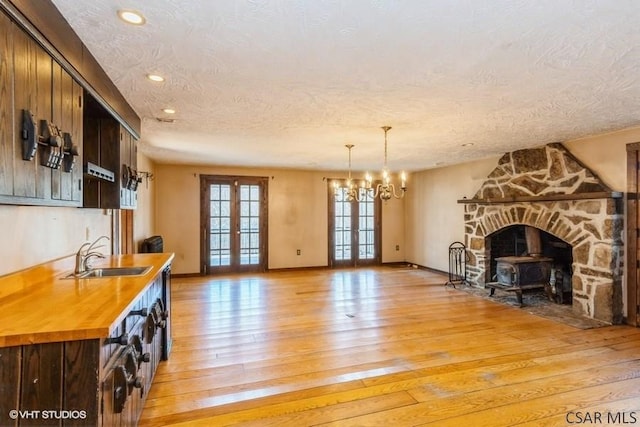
{"x":233,"y":224}
{"x":354,"y":227}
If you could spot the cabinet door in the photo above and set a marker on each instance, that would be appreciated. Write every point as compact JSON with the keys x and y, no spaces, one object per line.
{"x":25,"y":96}
{"x":128,"y":158}
{"x":31,"y":80}
{"x":64,"y":107}
{"x":125,"y":157}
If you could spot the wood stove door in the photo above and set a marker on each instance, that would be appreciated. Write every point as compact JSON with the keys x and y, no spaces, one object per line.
{"x":633,"y":234}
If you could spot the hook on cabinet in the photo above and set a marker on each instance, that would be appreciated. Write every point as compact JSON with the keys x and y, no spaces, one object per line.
{"x":56,"y":147}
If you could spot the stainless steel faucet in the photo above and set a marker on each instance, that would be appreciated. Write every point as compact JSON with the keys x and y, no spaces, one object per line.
{"x":84,"y":255}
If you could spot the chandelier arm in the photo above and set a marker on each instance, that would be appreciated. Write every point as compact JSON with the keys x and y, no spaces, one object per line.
{"x":377,"y":192}
{"x":357,"y":193}
{"x":393,"y":191}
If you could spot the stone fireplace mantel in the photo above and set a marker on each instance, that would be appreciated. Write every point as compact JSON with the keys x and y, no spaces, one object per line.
{"x":547,"y":198}
{"x":549,"y":189}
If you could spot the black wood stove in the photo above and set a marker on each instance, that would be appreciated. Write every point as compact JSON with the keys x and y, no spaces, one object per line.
{"x":518,"y":273}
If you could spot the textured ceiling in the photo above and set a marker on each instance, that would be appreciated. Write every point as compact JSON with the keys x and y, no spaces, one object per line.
{"x":287,"y":83}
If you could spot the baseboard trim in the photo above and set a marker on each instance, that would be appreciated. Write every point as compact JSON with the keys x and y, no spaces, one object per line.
{"x":395,"y":264}
{"x":431,"y":269}
{"x":185,"y":275}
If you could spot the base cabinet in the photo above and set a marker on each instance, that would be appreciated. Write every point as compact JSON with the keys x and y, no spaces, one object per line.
{"x":98,"y":382}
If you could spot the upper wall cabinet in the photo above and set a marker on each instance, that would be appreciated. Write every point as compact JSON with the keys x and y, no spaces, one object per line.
{"x":110,"y":160}
{"x":40,"y":124}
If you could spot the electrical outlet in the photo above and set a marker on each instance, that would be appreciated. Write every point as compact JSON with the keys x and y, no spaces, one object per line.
{"x":397,"y":247}
{"x":298,"y":251}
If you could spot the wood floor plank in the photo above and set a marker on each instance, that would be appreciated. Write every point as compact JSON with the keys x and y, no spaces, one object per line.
{"x":377,"y":346}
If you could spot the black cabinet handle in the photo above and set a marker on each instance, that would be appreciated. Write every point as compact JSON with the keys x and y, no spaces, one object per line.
{"x":142,"y":312}
{"x":122,"y":339}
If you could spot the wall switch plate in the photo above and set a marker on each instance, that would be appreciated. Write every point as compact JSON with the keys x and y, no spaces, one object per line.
{"x":298,"y":252}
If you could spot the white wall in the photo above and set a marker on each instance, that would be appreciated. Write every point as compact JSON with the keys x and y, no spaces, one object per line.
{"x":144,"y":215}
{"x":434,"y":218}
{"x":32,"y":235}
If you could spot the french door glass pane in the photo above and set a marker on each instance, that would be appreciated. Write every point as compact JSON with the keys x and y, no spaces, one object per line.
{"x":342,"y":249}
{"x":219,"y":221}
{"x":249,"y":224}
{"x":366,"y":242}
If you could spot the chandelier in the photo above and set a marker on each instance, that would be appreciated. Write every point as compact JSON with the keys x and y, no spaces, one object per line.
{"x":385,"y":189}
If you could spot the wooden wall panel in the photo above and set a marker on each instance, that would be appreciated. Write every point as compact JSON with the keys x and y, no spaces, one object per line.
{"x":56,"y":118}
{"x":66,"y":124}
{"x":24,"y":57}
{"x":43,"y":112}
{"x":10,"y":358}
{"x":91,"y":153}
{"x":81,"y":380}
{"x":6,"y":106}
{"x":42,"y":378}
{"x":110,"y":159}
{"x":126,"y":231}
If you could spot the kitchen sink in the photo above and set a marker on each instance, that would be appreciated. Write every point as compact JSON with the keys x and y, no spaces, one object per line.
{"x":111,"y":272}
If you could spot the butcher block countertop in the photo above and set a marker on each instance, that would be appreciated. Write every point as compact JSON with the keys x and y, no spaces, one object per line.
{"x":39,"y":305}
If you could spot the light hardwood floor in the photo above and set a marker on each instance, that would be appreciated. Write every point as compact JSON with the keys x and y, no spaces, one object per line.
{"x":381,"y":347}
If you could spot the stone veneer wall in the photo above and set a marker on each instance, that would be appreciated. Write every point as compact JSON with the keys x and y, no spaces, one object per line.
{"x":593,"y":227}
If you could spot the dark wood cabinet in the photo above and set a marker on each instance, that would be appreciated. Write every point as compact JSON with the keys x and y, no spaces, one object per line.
{"x":30,"y":80}
{"x":110,"y":147}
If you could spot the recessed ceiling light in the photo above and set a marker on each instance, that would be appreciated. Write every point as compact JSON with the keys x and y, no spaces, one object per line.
{"x":468,"y":144}
{"x":169,"y":110}
{"x":155,"y":77}
{"x":131,"y":16}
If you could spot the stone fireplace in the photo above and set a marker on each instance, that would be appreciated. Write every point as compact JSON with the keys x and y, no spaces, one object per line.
{"x":549,"y":189}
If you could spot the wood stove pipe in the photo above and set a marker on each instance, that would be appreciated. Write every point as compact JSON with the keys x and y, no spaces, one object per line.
{"x":534,"y":243}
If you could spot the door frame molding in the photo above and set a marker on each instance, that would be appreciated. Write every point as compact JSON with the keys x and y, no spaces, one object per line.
{"x":632,"y":232}
{"x":377,"y":260}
